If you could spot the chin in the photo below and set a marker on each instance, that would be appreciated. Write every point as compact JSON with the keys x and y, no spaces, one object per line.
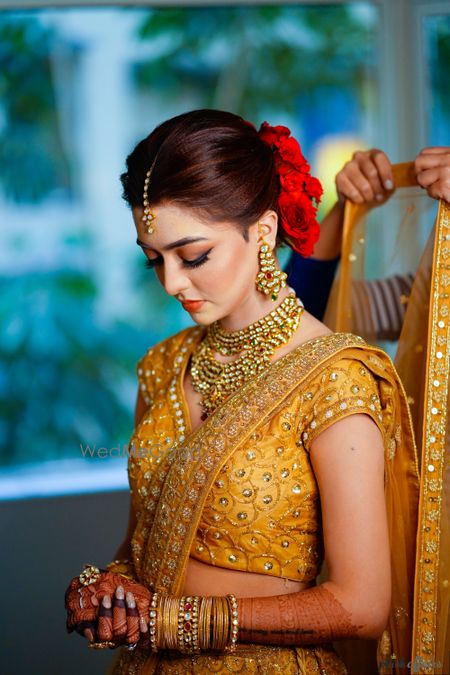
{"x":202,"y":321}
{"x":204,"y":318}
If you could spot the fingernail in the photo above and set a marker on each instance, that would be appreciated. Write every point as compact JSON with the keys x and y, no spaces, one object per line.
{"x":106,"y":602}
{"x":379,"y":198}
{"x":130,"y":600}
{"x":120,"y":592}
{"x":388,"y":184}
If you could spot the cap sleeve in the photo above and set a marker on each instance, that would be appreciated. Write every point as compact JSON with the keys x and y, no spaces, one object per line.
{"x":342,"y":389}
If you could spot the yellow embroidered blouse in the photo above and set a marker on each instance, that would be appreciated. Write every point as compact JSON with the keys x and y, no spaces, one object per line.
{"x":263,"y":512}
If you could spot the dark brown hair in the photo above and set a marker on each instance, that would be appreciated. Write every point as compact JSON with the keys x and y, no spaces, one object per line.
{"x":210,"y":161}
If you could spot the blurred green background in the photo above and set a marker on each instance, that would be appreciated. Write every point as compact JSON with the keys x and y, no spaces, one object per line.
{"x":78,"y":88}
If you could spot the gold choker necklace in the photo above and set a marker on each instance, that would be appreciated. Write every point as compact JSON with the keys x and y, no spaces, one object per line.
{"x":216,"y":380}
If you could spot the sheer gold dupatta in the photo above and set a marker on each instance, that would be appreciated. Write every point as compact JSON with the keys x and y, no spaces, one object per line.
{"x":422,"y":360}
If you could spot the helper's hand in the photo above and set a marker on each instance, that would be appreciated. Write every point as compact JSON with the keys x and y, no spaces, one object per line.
{"x":366,"y":178}
{"x":432,"y":167}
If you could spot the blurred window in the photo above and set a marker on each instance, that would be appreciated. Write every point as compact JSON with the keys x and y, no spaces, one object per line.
{"x":436,"y":29}
{"x":78,"y":88}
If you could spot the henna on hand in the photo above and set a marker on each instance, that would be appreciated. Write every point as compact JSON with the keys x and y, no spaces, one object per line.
{"x":83,"y":602}
{"x":105,"y":620}
{"x":133,"y":632}
{"x":310,"y":616}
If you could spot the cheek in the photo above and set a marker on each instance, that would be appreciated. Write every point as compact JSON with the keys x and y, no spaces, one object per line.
{"x":233,"y":267}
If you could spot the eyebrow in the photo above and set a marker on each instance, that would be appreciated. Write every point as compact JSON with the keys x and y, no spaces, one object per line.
{"x":175,"y":244}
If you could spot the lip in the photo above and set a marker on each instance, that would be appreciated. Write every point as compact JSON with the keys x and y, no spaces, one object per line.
{"x":192,"y":305}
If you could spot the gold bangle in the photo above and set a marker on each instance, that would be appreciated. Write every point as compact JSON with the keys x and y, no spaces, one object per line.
{"x":216,"y":624}
{"x":204,"y":624}
{"x":225,"y":622}
{"x":195,"y":637}
{"x":168,"y":623}
{"x":188,"y":625}
{"x":153,"y":622}
{"x":234,"y":615}
{"x":161,"y":632}
{"x":173,"y":606}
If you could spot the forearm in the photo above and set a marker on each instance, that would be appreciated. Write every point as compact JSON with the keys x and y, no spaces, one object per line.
{"x":315,"y":615}
{"x":329,"y":244}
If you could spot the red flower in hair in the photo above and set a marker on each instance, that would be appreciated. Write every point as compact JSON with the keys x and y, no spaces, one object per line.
{"x":300,"y":192}
{"x":272,"y":135}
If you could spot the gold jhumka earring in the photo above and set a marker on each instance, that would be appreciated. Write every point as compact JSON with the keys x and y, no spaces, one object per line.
{"x":148,"y":217}
{"x":270,"y":278}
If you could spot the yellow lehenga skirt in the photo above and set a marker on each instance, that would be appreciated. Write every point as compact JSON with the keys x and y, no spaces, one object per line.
{"x":250,"y":659}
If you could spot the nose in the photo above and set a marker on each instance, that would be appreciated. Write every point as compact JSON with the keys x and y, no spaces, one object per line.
{"x":174,"y":279}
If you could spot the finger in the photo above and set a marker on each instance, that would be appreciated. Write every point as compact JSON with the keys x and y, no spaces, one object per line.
{"x":119,"y":613}
{"x":435,"y":150}
{"x":93,"y":595}
{"x":132,"y":619}
{"x":105,"y":620}
{"x":346,"y":188}
{"x":434,"y":191}
{"x":426,"y":178}
{"x":86,"y":629}
{"x":384,"y":168}
{"x":439,"y":190}
{"x":143,"y":624}
{"x":423,"y":162}
{"x":370,"y":171}
{"x":359,"y":181}
{"x":89,"y":634}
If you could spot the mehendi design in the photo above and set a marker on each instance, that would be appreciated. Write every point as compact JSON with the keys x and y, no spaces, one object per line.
{"x":311,"y":616}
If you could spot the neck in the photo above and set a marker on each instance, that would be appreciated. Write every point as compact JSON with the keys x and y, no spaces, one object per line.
{"x":252,"y":309}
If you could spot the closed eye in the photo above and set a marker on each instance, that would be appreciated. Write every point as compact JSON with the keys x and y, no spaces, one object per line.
{"x":150,"y":264}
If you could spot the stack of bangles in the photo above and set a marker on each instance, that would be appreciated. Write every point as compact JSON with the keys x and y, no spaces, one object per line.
{"x":193,"y":624}
{"x":189,"y":624}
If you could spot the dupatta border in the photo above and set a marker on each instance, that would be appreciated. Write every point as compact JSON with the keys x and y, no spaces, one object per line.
{"x":433,"y":454}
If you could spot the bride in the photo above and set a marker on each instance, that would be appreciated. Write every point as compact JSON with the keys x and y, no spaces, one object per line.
{"x":264,"y":443}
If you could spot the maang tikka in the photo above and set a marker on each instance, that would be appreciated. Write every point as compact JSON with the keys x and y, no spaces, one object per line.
{"x":148,"y":217}
{"x":270,"y":279}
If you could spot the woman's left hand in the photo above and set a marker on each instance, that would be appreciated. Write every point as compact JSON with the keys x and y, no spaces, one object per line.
{"x":432,"y":167}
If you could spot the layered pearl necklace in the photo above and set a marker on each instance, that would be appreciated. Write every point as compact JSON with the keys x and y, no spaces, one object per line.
{"x":216,"y":380}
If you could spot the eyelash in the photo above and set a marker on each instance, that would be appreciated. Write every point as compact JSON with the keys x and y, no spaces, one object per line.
{"x":150,"y":264}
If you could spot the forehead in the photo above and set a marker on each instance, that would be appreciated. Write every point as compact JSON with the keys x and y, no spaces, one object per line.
{"x":175,"y":222}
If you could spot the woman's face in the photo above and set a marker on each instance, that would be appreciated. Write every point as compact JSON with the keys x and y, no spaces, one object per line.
{"x":196,"y":261}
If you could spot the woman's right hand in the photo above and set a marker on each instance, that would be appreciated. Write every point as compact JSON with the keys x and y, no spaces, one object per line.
{"x":366,"y":178}
{"x":99,"y":611}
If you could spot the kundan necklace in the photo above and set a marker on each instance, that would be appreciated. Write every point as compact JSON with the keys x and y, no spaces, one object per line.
{"x":216,"y":380}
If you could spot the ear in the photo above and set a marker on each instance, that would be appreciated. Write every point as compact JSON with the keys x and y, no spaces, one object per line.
{"x":267,"y":228}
